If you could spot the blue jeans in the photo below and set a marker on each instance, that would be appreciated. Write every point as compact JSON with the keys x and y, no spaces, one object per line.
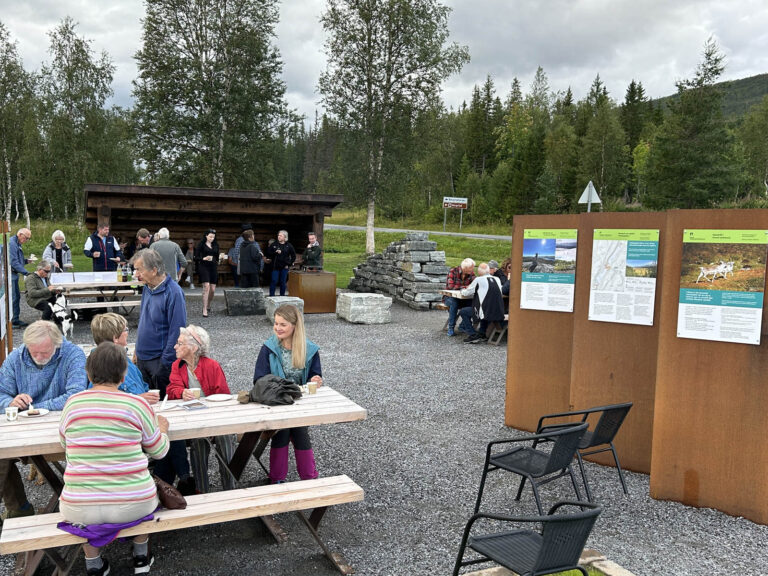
{"x":466,"y":322}
{"x":16,"y":294}
{"x":281,"y":276}
{"x":453,"y":307}
{"x":173,"y":464}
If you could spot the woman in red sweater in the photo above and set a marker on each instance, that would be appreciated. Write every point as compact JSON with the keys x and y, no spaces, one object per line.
{"x":193,"y":369}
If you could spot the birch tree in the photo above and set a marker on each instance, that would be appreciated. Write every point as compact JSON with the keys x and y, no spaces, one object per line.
{"x":209,"y":95}
{"x":384,"y":56}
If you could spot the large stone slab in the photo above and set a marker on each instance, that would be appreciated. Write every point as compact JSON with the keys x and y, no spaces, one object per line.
{"x":363,"y":308}
{"x":244,"y":301}
{"x":274,"y":302}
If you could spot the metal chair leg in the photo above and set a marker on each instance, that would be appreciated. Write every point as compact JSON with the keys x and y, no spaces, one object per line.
{"x":520,"y":488}
{"x":575,"y":486}
{"x":584,"y":476}
{"x":480,"y":491}
{"x":618,"y":467}
{"x":535,"y":495}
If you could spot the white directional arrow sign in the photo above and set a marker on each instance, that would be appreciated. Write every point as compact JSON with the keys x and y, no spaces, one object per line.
{"x":589,"y":195}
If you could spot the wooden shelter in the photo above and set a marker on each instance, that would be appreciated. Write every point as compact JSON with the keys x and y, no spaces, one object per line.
{"x":189,"y":212}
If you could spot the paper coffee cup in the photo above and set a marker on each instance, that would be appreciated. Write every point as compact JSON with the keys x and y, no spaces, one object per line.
{"x":11,"y":413}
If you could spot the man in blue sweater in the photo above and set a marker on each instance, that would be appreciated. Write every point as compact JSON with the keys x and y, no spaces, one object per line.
{"x":17,"y":269}
{"x":163,"y":313}
{"x":44,"y":373}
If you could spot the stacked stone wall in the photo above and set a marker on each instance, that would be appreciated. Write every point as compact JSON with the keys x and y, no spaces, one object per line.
{"x":412,"y":271}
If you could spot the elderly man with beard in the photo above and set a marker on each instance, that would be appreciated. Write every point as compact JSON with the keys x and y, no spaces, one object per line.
{"x":44,"y":372}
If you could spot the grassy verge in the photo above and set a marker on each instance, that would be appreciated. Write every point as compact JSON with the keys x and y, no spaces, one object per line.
{"x":345,"y":249}
{"x":357,"y":216}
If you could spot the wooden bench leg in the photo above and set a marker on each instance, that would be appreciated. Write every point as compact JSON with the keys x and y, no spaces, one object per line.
{"x":27,"y":563}
{"x":312,"y":523}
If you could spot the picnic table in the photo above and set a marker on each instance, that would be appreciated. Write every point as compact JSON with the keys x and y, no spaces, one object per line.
{"x":497,"y":330}
{"x":109,"y":292}
{"x":38,"y":439}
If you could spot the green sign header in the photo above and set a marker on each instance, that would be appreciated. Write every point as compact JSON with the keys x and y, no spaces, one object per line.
{"x":546,"y":234}
{"x":725,"y":236}
{"x":626,"y":234}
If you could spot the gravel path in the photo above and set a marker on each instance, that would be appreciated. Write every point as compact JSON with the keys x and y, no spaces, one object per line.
{"x":433,"y":404}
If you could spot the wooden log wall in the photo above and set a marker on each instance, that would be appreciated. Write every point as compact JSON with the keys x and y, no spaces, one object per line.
{"x":189,"y":212}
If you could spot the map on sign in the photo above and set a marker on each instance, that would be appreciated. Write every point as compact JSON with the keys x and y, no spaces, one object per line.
{"x":623,"y":278}
{"x":609,"y":265}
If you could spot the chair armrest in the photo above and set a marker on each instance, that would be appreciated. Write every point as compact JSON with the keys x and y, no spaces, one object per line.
{"x":583,"y":413}
{"x":555,"y":427}
{"x":582,"y":505}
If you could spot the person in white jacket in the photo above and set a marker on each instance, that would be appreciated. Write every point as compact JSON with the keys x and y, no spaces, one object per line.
{"x":487,"y":306}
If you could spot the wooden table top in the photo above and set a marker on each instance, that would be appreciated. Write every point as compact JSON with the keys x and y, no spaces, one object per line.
{"x":40,"y":435}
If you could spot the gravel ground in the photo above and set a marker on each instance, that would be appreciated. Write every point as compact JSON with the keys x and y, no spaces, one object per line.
{"x":433,"y":403}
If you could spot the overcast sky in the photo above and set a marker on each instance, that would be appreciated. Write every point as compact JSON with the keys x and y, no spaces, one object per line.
{"x":654,"y":41}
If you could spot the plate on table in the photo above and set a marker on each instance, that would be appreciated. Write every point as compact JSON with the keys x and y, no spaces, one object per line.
{"x":26,"y":414}
{"x":219,"y":397}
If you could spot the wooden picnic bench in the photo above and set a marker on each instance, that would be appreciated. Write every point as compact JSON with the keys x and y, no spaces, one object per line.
{"x":38,"y":438}
{"x":112,"y":304}
{"x":32,"y":533}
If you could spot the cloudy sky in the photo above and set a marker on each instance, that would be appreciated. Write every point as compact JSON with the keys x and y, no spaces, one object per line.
{"x":654,"y":41}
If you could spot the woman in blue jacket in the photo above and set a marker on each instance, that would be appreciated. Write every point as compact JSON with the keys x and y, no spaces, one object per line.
{"x":288,"y":354}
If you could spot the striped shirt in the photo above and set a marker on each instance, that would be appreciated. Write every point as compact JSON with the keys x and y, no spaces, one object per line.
{"x":105,"y":435}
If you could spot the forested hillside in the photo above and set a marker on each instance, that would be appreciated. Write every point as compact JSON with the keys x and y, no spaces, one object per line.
{"x":214,"y":114}
{"x":739,"y":96}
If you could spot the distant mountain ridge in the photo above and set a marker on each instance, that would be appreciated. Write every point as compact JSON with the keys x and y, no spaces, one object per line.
{"x":738,"y":95}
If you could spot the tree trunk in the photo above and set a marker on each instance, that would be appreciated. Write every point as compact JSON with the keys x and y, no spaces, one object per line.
{"x":26,"y":209}
{"x":9,"y":196}
{"x":370,"y":243}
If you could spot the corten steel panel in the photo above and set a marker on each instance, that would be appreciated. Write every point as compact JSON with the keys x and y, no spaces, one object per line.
{"x":317,"y":289}
{"x":710,"y":424}
{"x":613,"y":363}
{"x":538,"y":342}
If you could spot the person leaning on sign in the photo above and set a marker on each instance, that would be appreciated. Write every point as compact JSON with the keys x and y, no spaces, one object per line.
{"x":313,"y":255}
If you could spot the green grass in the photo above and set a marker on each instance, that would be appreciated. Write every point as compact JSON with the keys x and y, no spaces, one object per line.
{"x":345,"y":249}
{"x":357,"y":217}
{"x":41,"y":237}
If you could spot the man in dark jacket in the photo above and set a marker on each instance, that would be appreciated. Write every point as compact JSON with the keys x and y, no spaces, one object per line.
{"x":103,"y":249}
{"x":40,"y":292}
{"x":250,"y":261}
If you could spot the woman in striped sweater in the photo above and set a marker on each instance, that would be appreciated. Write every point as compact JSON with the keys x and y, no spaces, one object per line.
{"x":107,"y":435}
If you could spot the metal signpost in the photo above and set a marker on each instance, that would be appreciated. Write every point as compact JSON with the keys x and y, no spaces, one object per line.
{"x":451,"y":202}
{"x":589,"y":195}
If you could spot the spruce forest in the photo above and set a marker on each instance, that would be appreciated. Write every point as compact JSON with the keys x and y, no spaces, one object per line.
{"x":209,"y":110}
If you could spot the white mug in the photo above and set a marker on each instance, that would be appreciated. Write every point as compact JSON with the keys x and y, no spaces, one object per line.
{"x":11,"y":413}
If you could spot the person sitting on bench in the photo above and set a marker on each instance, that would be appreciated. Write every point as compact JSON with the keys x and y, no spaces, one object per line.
{"x":107,"y":436}
{"x":41,"y":294}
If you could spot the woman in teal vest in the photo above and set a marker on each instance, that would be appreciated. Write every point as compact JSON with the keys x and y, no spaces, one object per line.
{"x":288,"y":354}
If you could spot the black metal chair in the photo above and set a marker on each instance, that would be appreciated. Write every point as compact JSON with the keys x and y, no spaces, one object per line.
{"x":531,"y":464}
{"x":556,"y":548}
{"x":599,"y":439}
